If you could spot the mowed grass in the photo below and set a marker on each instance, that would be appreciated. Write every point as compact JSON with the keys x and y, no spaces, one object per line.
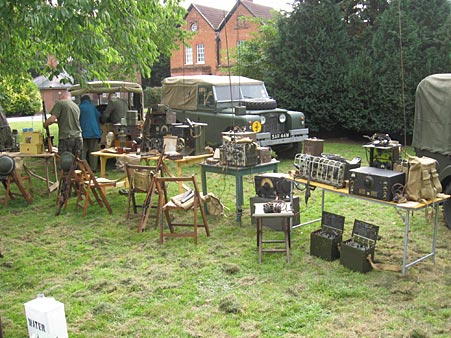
{"x":115,"y":282}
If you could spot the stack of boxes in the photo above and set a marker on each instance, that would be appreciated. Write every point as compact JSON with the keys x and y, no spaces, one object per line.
{"x":32,"y":142}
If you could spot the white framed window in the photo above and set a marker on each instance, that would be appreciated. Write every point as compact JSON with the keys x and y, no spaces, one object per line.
{"x":200,"y":53}
{"x":188,"y":55}
{"x":240,"y":43}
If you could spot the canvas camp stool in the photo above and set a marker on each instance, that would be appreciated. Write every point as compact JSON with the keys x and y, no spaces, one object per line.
{"x":166,"y":206}
{"x":259,"y":215}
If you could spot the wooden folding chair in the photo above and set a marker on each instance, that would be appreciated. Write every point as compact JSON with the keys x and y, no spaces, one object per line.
{"x":139,"y":179}
{"x":88,"y":183}
{"x":190,"y":201}
{"x":151,"y":190}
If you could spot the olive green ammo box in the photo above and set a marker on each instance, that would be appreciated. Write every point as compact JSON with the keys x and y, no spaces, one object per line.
{"x":354,"y":251}
{"x":324,"y":242}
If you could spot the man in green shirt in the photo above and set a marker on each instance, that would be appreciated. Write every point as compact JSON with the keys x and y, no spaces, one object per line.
{"x":116,"y":109}
{"x":66,"y":113}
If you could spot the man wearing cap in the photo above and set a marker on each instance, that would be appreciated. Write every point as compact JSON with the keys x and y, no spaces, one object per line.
{"x":90,"y":130}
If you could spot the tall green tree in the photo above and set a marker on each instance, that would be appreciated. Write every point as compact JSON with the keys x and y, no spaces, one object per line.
{"x":410,"y":40}
{"x":309,"y":62}
{"x":89,"y":38}
{"x":253,"y":56}
{"x":19,"y":96}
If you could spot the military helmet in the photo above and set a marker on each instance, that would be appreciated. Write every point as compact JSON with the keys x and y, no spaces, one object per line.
{"x":66,"y":160}
{"x":7,"y":165}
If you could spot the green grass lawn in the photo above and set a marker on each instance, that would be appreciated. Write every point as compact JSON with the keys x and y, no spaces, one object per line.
{"x":116,"y":282}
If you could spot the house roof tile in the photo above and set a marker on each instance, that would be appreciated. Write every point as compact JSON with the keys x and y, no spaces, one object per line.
{"x":257,"y":10}
{"x":213,"y":16}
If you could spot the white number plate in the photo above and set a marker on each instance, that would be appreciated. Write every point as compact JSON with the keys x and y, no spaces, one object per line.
{"x":279,"y":135}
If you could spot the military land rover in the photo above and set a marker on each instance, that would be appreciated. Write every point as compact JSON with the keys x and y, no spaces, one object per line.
{"x":235,"y":103}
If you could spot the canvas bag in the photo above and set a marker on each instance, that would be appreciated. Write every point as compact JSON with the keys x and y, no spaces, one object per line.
{"x":422,"y":180}
{"x":214,"y":205}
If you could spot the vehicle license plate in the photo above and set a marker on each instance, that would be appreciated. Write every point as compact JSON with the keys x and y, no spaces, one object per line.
{"x":279,"y":135}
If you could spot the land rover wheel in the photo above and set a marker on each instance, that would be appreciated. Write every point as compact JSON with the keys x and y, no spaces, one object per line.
{"x":259,"y":104}
{"x":447,"y":207}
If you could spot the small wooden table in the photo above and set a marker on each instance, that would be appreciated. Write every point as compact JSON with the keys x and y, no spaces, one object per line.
{"x":286,"y":213}
{"x":238,"y":172}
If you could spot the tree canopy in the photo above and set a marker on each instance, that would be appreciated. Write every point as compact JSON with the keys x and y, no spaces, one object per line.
{"x":91,"y":39}
{"x":352,"y":65}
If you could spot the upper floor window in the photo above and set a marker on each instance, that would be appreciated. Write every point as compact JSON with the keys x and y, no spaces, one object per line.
{"x":241,"y":22}
{"x":200,"y":53}
{"x":188,"y":55}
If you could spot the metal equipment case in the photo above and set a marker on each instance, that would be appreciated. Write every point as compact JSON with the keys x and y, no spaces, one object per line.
{"x":354,"y":251}
{"x":324,"y":242}
{"x":313,"y":146}
{"x":374,"y":182}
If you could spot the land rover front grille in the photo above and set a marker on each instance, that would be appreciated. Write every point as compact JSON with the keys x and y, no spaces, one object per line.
{"x":272,"y":124}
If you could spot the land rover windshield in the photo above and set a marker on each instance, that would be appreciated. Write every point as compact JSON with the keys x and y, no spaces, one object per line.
{"x":239,"y":92}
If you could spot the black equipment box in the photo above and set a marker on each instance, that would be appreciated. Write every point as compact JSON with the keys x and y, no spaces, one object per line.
{"x":275,"y":223}
{"x":324,"y":242}
{"x":374,"y":182}
{"x":273,"y":185}
{"x":355,"y":251}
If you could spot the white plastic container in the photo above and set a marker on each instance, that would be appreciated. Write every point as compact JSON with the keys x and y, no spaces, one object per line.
{"x":46,"y":318}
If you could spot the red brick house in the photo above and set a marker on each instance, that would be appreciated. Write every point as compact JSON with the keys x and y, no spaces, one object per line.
{"x":217,"y":31}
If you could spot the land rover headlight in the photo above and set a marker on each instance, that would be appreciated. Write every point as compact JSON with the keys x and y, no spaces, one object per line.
{"x":262,"y":119}
{"x":282,"y":118}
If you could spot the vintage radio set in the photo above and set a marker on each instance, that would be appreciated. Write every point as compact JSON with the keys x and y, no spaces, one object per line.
{"x":191,"y":135}
{"x":320,"y":169}
{"x":238,"y":150}
{"x":355,"y":251}
{"x":273,"y":185}
{"x":383,"y":152}
{"x":156,"y":126}
{"x":374,"y":182}
{"x":324,"y":242}
{"x":125,"y":135}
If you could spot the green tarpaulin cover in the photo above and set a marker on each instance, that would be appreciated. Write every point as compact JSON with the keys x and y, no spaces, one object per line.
{"x":180,"y":92}
{"x":432,"y":124}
